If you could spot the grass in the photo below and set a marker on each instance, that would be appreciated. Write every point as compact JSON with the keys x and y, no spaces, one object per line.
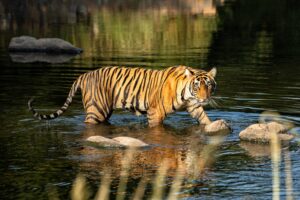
{"x":157,"y":187}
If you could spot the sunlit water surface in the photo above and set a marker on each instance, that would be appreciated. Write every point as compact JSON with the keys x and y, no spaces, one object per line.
{"x":257,"y":56}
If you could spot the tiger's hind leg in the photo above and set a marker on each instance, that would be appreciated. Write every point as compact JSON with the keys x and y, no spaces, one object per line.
{"x":155,"y":117}
{"x":97,"y":113}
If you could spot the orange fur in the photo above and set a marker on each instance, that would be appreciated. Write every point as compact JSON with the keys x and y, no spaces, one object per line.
{"x":152,"y":92}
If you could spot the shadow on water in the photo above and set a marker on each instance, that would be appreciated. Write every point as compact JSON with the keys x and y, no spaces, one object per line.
{"x":40,"y":57}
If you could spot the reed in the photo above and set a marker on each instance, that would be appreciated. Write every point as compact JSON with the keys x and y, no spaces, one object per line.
{"x":104,"y":189}
{"x":288,"y":175}
{"x":80,"y":190}
{"x":158,"y":184}
{"x":275,"y":156}
{"x":197,"y":162}
{"x":139,"y":193}
{"x":124,"y":173}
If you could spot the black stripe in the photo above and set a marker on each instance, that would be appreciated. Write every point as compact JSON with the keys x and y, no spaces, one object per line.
{"x":137,"y":101}
{"x":110,"y":77}
{"x":100,"y":110}
{"x":195,"y":108}
{"x":127,"y":87}
{"x":201,"y":114}
{"x":93,"y":118}
{"x":125,"y":78}
{"x":173,"y":106}
{"x":93,"y":114}
{"x":148,"y":87}
{"x":115,"y":85}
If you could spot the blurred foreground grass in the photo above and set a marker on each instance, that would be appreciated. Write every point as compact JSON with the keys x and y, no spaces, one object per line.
{"x":157,"y":185}
{"x":163,"y":186}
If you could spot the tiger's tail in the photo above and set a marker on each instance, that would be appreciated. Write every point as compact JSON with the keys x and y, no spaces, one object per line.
{"x":60,"y":111}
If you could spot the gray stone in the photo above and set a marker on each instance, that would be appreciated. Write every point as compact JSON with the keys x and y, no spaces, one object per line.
{"x":262,"y":132}
{"x":217,"y":127}
{"x":49,"y":45}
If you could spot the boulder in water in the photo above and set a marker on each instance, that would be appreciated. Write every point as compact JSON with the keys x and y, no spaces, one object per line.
{"x":103,"y":141}
{"x":130,"y":142}
{"x":49,"y":45}
{"x":217,"y":127}
{"x":262,"y":132}
{"x":116,"y":142}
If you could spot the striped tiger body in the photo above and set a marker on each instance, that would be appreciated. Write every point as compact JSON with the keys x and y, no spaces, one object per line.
{"x":143,"y":91}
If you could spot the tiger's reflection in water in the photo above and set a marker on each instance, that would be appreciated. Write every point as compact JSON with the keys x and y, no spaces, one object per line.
{"x":187,"y":149}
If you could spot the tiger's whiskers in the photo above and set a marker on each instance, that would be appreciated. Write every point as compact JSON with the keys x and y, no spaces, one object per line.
{"x":213,"y":103}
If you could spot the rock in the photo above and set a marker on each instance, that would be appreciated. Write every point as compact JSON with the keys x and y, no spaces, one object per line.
{"x":49,"y":45}
{"x":262,"y":132}
{"x":20,"y":57}
{"x":129,"y":141}
{"x":217,"y":127}
{"x":103,"y":141}
{"x":116,"y":142}
{"x":276,"y":127}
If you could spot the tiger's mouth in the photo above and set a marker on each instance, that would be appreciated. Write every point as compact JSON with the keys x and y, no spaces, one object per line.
{"x":203,"y":102}
{"x":199,"y":102}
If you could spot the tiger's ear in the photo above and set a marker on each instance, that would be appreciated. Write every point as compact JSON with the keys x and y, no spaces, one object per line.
{"x":188,"y":73}
{"x":213,"y":72}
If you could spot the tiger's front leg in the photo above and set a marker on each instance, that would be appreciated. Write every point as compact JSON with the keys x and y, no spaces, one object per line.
{"x":215,"y":127}
{"x":198,"y":113}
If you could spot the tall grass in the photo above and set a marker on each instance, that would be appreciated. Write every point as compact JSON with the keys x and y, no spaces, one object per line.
{"x":158,"y":188}
{"x":200,"y":161}
{"x":275,"y":155}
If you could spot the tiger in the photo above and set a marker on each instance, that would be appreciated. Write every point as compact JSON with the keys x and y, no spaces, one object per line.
{"x":153,"y":92}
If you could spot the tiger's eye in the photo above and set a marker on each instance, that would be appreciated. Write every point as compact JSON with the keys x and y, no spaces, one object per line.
{"x":196,"y":83}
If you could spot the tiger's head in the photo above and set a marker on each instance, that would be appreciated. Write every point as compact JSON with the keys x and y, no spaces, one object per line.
{"x":201,"y":86}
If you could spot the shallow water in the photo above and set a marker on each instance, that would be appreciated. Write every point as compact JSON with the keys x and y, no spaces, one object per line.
{"x":257,"y":56}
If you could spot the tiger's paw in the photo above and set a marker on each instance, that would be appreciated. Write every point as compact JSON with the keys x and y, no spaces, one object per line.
{"x":218,"y":127}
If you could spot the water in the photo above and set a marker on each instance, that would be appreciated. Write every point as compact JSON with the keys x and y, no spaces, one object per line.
{"x":254,"y":44}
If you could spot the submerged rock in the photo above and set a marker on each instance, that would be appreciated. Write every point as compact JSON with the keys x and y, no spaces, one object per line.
{"x":262,"y":132}
{"x":116,"y":142}
{"x":217,"y":127}
{"x":49,"y":45}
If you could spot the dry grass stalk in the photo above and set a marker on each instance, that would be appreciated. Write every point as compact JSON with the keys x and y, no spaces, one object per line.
{"x":207,"y":155}
{"x":104,"y":189}
{"x":276,"y":154}
{"x":124,"y":173}
{"x":176,"y":186}
{"x":288,"y":176}
{"x":158,"y":184}
{"x":80,"y":190}
{"x":140,"y":191}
